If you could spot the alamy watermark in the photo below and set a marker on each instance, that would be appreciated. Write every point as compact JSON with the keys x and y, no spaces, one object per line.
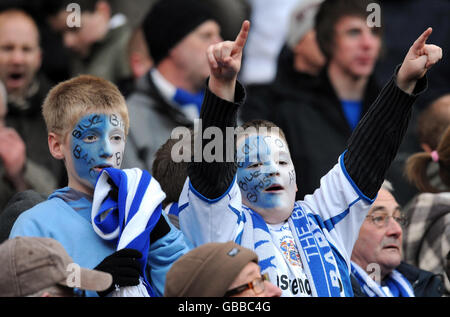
{"x":73,"y":19}
{"x":374,"y":18}
{"x":213,"y":145}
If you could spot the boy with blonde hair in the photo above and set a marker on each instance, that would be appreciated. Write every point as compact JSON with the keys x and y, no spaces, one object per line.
{"x":87,"y":122}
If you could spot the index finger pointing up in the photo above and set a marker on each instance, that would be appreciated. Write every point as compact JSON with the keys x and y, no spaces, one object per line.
{"x":422,"y":39}
{"x":241,"y":38}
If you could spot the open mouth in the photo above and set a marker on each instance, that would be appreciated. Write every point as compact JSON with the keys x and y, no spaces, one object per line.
{"x":15,"y":79}
{"x":98,"y":168}
{"x":274,"y":188}
{"x":16,"y":76}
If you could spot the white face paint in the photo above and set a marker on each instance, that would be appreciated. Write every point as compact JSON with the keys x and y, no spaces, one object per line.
{"x":97,"y":141}
{"x":266,"y":176}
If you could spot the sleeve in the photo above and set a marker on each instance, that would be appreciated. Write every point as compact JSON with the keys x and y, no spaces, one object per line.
{"x":375,"y":141}
{"x":212,"y":179}
{"x":26,"y":226}
{"x":204,"y":220}
{"x":348,"y":190}
{"x":164,"y":251}
{"x":339,"y":208}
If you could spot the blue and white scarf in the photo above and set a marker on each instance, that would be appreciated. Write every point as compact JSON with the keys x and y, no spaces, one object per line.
{"x":126,"y":207}
{"x":316,"y":254}
{"x":398,"y":285}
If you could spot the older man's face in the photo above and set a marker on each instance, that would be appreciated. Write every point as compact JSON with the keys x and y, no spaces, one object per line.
{"x":380,"y":242}
{"x":20,"y":54}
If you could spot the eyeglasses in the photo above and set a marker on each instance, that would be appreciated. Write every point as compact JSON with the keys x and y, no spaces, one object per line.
{"x":257,"y":285}
{"x":382,"y":220}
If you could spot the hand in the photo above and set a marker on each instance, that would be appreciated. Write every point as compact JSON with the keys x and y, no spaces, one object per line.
{"x":124,"y":268}
{"x":224,"y":60}
{"x":420,"y":58}
{"x":12,"y":153}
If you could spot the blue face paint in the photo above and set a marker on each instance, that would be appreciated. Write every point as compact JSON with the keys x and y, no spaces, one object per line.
{"x":264,"y":172}
{"x":98,"y":141}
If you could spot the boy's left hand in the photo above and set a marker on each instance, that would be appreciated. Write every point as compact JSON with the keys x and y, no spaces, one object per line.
{"x":420,"y":58}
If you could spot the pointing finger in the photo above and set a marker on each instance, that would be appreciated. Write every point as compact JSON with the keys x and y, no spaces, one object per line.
{"x":422,"y":39}
{"x":241,"y":38}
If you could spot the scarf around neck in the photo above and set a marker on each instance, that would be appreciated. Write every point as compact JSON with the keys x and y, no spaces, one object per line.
{"x":316,"y":254}
{"x":398,"y":285}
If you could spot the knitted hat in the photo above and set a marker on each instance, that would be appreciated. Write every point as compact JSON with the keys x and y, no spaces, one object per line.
{"x":301,"y":21}
{"x":169,"y":21}
{"x":208,"y":270}
{"x":31,"y":264}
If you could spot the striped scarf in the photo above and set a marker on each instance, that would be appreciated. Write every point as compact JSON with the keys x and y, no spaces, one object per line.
{"x":125,"y":209}
{"x":316,"y":254}
{"x":398,"y":285}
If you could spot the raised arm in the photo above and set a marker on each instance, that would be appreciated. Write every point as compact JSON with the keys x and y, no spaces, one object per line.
{"x":219,"y":109}
{"x":375,"y":141}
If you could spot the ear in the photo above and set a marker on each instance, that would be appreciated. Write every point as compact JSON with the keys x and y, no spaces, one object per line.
{"x":56,"y":146}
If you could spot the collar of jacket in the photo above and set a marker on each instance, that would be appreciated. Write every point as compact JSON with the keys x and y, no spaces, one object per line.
{"x":147,"y":87}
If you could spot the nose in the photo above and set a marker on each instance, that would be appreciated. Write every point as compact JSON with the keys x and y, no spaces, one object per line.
{"x":368,"y":39}
{"x":105,"y":149}
{"x":18,"y":56}
{"x":270,"y":168}
{"x":394,"y":229}
{"x":271,"y":290}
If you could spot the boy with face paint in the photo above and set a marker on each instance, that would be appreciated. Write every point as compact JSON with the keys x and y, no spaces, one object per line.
{"x":87,"y":123}
{"x":304,"y":246}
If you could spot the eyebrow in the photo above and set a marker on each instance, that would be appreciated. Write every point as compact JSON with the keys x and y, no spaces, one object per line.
{"x":383,"y":208}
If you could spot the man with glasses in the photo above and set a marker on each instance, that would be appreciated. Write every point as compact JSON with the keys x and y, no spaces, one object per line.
{"x":377,"y":267}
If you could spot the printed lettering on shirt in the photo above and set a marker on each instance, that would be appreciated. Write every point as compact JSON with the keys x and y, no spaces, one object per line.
{"x":296,"y":285}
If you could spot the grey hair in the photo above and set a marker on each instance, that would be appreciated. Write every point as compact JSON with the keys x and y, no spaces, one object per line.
{"x":387,"y":185}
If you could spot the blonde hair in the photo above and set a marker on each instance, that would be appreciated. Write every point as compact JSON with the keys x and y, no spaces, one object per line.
{"x":416,"y":165}
{"x":69,"y":101}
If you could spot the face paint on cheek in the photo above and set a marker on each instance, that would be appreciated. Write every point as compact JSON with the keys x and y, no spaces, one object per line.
{"x":253,"y":180}
{"x":92,"y":146}
{"x":252,"y":184}
{"x":84,"y":161}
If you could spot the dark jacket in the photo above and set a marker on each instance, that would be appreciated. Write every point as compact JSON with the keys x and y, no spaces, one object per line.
{"x":152,"y":120}
{"x":28,"y":121}
{"x":316,"y":129}
{"x":262,"y":99}
{"x":424,"y":283}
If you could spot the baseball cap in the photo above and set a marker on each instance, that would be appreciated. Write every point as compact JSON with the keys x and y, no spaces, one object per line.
{"x":208,"y":270}
{"x":301,"y":21}
{"x":31,"y":264}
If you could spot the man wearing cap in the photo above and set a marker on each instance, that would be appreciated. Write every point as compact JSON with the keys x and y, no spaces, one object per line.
{"x":218,"y":270}
{"x":41,"y":267}
{"x":178,"y":33}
